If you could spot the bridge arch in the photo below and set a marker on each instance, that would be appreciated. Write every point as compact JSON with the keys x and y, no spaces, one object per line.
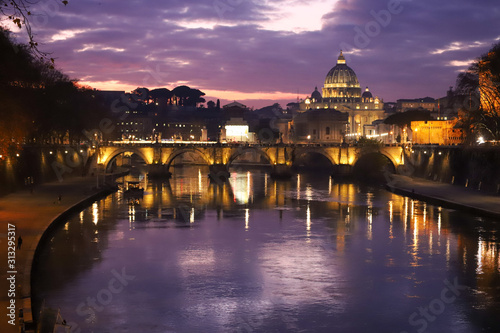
{"x":108,"y":156}
{"x":370,"y":162}
{"x":178,"y":152}
{"x":243,"y":150}
{"x":302,"y":153}
{"x":387,"y":155}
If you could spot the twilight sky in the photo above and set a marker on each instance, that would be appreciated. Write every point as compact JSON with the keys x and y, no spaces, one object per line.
{"x":263,"y":51}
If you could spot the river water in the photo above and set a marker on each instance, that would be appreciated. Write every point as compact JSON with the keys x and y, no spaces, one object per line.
{"x":254,"y":255}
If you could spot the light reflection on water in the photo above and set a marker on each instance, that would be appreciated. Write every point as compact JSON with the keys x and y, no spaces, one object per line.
{"x":255,"y":255}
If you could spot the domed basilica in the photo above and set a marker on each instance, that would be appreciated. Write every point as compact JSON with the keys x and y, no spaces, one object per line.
{"x":342,"y":92}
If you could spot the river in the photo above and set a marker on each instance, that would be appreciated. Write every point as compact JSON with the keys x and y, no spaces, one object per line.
{"x":255,"y":255}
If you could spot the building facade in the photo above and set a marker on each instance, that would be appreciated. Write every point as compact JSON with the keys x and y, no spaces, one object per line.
{"x":436,"y":132}
{"x":427,"y":103}
{"x":327,"y":126}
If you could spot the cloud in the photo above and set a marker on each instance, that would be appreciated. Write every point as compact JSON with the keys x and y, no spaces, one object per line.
{"x":461,"y":46}
{"x":272,"y":49}
{"x":296,"y":16}
{"x":463,"y":64}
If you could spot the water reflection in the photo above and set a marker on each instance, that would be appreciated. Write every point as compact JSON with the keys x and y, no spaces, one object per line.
{"x":309,"y":254}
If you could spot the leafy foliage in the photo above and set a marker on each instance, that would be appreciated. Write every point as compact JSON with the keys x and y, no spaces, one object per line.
{"x":481,"y":82}
{"x":403,"y":119}
{"x":369,"y":143}
{"x":19,"y":13}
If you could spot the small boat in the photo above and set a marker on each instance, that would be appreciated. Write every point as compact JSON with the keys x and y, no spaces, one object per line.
{"x":51,"y":321}
{"x":134,"y":189}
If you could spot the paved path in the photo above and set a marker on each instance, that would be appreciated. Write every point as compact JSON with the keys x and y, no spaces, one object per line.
{"x":447,"y":195}
{"x":31,"y":214}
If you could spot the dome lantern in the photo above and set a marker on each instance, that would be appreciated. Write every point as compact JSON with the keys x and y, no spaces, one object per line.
{"x":341,"y":59}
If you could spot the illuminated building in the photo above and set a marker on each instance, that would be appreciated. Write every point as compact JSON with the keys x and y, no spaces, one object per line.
{"x":342,"y":92}
{"x":438,"y":132}
{"x":236,"y":130}
{"x":426,"y":103}
{"x":134,"y":128}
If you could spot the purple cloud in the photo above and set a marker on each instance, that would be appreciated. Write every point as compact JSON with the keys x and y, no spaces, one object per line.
{"x":250,"y":46}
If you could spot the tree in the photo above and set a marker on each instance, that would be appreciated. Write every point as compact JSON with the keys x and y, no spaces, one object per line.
{"x":211,"y":105}
{"x":481,"y":82}
{"x":194,"y":97}
{"x":369,"y":143}
{"x":180,"y":94}
{"x":404,"y":119}
{"x":19,"y":12}
{"x":17,"y":65}
{"x":141,"y":94}
{"x":39,"y":103}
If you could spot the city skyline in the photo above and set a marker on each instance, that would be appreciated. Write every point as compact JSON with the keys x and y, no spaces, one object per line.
{"x":260,"y":52}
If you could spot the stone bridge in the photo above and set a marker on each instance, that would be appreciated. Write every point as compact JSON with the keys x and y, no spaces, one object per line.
{"x":219,"y":157}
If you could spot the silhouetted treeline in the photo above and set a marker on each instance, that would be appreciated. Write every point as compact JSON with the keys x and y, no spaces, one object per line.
{"x":38,"y":102}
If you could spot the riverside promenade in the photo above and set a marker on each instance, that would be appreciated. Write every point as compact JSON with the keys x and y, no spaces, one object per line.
{"x":451,"y":196}
{"x":32,"y":214}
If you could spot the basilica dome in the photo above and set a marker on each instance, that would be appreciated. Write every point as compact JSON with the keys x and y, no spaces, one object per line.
{"x":341,"y":81}
{"x":316,"y":95}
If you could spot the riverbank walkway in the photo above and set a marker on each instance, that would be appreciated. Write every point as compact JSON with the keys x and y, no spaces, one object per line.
{"x":448,"y":195}
{"x":31,"y":214}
